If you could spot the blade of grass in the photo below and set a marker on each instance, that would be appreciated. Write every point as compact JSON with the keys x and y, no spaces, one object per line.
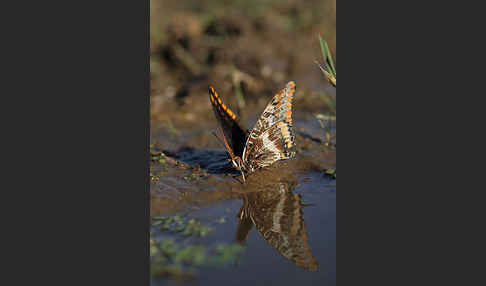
{"x":326,"y":54}
{"x":327,"y":75}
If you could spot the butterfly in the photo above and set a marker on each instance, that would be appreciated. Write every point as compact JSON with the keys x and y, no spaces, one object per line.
{"x":270,"y":140}
{"x":277,"y":214}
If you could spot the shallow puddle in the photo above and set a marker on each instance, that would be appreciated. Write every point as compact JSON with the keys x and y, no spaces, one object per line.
{"x":281,"y":222}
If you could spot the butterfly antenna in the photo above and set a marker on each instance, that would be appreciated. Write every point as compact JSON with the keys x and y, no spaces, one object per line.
{"x":219,"y":139}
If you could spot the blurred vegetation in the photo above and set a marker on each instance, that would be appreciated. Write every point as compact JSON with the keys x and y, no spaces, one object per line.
{"x":179,"y":257}
{"x":328,"y":124}
{"x":177,"y":224}
{"x":246,"y":48}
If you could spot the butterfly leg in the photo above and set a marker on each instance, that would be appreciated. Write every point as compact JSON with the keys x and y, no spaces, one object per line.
{"x":238,"y":160}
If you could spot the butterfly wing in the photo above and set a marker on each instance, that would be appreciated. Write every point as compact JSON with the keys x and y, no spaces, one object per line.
{"x":281,"y":224}
{"x":272,"y":138}
{"x":232,"y":130}
{"x":245,"y":222}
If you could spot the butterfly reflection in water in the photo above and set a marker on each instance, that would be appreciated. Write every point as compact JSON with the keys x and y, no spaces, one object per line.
{"x":270,"y":140}
{"x":277,"y":215}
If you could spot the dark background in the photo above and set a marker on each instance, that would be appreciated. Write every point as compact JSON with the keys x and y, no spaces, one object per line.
{"x":70,"y":179}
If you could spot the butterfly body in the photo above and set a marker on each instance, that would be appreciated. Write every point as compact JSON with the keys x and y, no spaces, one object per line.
{"x":270,"y":140}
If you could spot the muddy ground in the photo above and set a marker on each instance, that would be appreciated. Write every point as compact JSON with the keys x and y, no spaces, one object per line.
{"x":248,"y":50}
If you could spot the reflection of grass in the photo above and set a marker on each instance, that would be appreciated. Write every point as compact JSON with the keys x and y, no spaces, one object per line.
{"x":175,"y":260}
{"x":163,"y":260}
{"x":179,"y":224}
{"x":326,"y":123}
{"x":179,"y":259}
{"x":221,"y":220}
{"x":195,"y":228}
{"x":225,"y":254}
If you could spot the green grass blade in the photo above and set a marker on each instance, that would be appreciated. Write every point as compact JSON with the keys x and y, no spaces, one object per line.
{"x":326,"y":54}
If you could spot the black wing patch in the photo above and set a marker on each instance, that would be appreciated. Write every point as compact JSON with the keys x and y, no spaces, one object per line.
{"x":232,"y":130}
